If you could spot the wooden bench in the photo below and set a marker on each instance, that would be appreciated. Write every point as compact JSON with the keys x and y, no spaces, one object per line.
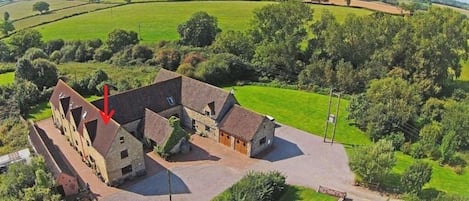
{"x":332,"y":192}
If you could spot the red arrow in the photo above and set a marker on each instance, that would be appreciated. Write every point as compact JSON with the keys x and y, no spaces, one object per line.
{"x":105,"y":115}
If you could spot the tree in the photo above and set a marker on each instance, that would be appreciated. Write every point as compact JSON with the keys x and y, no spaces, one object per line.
{"x":34,"y":53}
{"x":53,"y":45}
{"x":234,"y":42}
{"x":25,"y":39}
{"x":6,"y":16}
{"x":224,"y":69}
{"x":373,"y":162}
{"x":98,"y":77}
{"x":168,"y":58}
{"x":455,"y":119}
{"x":41,"y":6}
{"x":4,"y":52}
{"x":41,"y":72}
{"x":28,"y":182}
{"x":199,"y":31}
{"x":27,"y":95}
{"x":46,"y":73}
{"x":119,"y":39}
{"x":448,"y":147}
{"x":7,"y":27}
{"x":277,"y":30}
{"x":416,"y":176}
{"x":390,"y":102}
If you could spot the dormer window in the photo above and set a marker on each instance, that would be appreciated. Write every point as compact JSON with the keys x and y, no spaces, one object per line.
{"x":207,"y":113}
{"x":170,"y":100}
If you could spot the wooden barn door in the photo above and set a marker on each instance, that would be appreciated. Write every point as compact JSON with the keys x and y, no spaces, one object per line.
{"x":241,"y":146}
{"x":225,"y":139}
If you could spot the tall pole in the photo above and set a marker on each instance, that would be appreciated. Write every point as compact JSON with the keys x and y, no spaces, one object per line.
{"x":336,"y":119}
{"x":169,"y":184}
{"x":328,"y":114}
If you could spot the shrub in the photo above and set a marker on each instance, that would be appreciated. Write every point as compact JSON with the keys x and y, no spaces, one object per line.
{"x":417,"y":150}
{"x":141,"y":52}
{"x":259,"y":186}
{"x":406,"y":148}
{"x":56,"y":56}
{"x":397,"y":139}
{"x":168,"y":58}
{"x":186,"y":69}
{"x":416,"y":176}
{"x":34,"y":53}
{"x":102,"y":54}
{"x":53,"y":45}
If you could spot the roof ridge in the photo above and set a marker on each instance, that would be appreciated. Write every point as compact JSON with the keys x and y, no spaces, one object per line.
{"x":186,"y":77}
{"x":86,"y":101}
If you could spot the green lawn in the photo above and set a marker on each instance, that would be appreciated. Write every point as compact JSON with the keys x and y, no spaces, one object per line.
{"x":7,"y":78}
{"x":23,"y":8}
{"x":43,"y":111}
{"x":306,"y":194}
{"x":443,"y":177}
{"x":303,"y":110}
{"x":159,"y":21}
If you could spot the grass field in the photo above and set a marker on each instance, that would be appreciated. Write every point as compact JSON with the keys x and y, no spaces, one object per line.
{"x":302,"y":110}
{"x":299,"y":193}
{"x":159,"y":21}
{"x":54,"y":15}
{"x":143,"y":74}
{"x":7,"y":78}
{"x":23,"y":8}
{"x":43,"y":111}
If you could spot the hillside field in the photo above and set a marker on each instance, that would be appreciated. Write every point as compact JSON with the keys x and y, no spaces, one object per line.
{"x":23,"y":8}
{"x":159,"y":21}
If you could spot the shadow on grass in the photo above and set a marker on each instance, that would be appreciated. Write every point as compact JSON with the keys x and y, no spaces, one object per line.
{"x":40,"y":112}
{"x":429,"y":194}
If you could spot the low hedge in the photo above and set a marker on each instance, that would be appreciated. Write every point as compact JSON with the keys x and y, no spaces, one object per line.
{"x":259,"y":186}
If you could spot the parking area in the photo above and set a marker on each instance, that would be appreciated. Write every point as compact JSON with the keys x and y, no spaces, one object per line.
{"x":211,"y":167}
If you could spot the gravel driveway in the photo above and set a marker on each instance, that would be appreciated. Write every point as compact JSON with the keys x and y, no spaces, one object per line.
{"x":302,"y":157}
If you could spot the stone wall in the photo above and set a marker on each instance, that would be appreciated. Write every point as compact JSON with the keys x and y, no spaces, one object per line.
{"x":114,"y":163}
{"x":266,"y":130}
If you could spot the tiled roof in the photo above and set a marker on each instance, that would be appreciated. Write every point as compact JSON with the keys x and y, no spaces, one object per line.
{"x":157,"y":127}
{"x":195,"y":94}
{"x":130,"y":105}
{"x":241,"y":123}
{"x":104,"y":132}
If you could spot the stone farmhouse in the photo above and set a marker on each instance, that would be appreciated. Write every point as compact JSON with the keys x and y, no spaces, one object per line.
{"x":115,"y":150}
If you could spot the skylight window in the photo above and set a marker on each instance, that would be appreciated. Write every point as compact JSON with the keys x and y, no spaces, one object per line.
{"x":170,"y":100}
{"x":84,"y":114}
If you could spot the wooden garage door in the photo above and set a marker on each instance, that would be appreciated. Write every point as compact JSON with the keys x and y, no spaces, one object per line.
{"x":225,"y":139}
{"x":241,"y":146}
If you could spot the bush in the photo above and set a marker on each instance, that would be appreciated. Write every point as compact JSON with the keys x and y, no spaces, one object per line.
{"x":456,"y":160}
{"x":406,"y":148}
{"x":186,"y":69}
{"x":168,"y":58}
{"x":417,"y":150}
{"x":416,"y":176}
{"x":141,"y":52}
{"x":224,"y":69}
{"x":34,"y":53}
{"x":56,"y":56}
{"x":102,"y":54}
{"x":259,"y":186}
{"x":53,"y":45}
{"x":397,"y":139}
